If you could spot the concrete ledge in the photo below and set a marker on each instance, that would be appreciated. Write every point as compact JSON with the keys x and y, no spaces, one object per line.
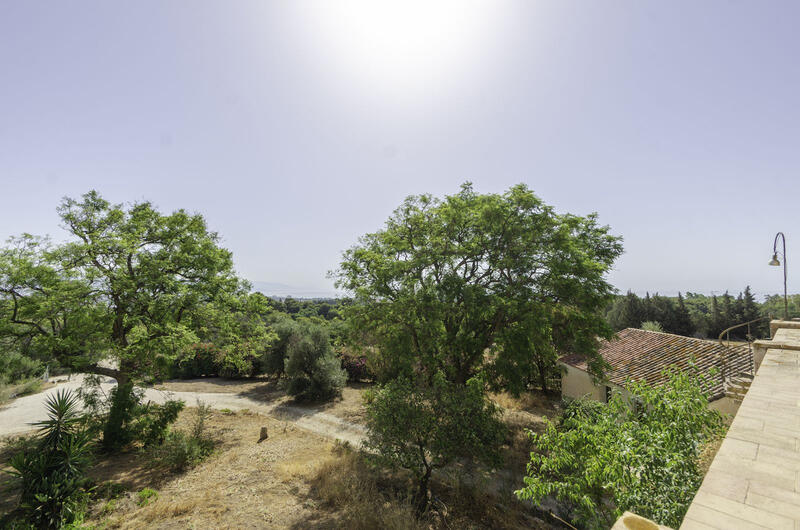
{"x":754,"y":480}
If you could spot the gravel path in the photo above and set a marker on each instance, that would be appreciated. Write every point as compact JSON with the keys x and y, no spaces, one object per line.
{"x":16,"y":416}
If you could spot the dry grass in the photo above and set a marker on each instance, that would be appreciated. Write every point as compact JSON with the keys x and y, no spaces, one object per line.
{"x":708,"y":452}
{"x":244,"y":484}
{"x":350,"y":490}
{"x":362,"y":497}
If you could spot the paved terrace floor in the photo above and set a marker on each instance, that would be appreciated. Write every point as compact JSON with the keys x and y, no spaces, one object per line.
{"x":754,"y":481}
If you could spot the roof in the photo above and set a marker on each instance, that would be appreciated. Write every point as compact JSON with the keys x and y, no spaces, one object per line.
{"x":636,"y":354}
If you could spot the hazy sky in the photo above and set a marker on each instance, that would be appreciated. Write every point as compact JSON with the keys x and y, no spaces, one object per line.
{"x":297,"y":126}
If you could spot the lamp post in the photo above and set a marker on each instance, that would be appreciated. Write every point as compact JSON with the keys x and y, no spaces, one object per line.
{"x":776,"y":263}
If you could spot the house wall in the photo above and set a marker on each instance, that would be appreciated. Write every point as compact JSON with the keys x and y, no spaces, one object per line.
{"x":576,"y":384}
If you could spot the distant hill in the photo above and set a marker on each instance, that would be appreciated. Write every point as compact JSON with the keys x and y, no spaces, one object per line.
{"x":281,"y":290}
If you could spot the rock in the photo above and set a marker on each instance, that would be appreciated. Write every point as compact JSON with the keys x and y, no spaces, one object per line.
{"x":264,"y":435}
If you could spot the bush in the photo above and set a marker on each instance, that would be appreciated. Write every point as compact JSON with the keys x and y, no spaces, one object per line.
{"x":18,"y":389}
{"x":15,"y":367}
{"x":355,"y":366}
{"x":152,"y":421}
{"x":197,"y":360}
{"x":52,"y":477}
{"x":181,"y":451}
{"x":423,"y":428}
{"x":123,"y":418}
{"x":314,"y":371}
{"x":274,"y":361}
{"x":603,"y":459}
{"x":145,"y":496}
{"x":206,"y":360}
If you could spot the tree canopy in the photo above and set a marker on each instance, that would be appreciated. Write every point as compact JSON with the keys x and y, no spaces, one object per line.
{"x":472,"y":283}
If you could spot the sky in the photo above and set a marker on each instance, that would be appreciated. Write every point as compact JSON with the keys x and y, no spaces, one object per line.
{"x":295,"y":127}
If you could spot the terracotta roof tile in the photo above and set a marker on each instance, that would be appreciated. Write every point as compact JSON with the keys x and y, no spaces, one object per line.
{"x":643,"y":355}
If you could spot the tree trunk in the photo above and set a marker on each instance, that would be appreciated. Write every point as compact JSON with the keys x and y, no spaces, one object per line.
{"x":421,"y":498}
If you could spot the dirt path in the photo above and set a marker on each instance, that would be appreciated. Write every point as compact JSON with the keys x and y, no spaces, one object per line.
{"x":17,"y":415}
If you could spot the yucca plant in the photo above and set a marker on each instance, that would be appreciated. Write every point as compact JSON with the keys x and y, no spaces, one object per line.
{"x":53,"y":481}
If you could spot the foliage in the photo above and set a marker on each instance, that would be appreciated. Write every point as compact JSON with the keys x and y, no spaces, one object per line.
{"x":181,"y":451}
{"x":642,"y":456}
{"x":52,"y":476}
{"x":423,"y":428}
{"x":696,"y":314}
{"x":274,"y":362}
{"x":145,"y":496}
{"x":121,"y":287}
{"x":137,"y":421}
{"x":312,"y":367}
{"x":14,"y":366}
{"x":473,"y":283}
{"x":152,"y":421}
{"x":235,"y":336}
{"x":651,"y":325}
{"x":19,"y":388}
{"x":355,"y":366}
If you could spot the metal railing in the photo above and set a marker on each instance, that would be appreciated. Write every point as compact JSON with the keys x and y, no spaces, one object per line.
{"x":749,"y":338}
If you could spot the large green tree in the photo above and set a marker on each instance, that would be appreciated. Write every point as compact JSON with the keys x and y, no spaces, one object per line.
{"x":471,"y":283}
{"x":114,"y":298}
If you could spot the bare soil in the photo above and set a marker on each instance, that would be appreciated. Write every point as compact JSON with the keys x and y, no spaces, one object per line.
{"x":349,"y":406}
{"x":287,"y":480}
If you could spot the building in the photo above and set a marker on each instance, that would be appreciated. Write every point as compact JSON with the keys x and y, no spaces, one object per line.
{"x":635,"y":354}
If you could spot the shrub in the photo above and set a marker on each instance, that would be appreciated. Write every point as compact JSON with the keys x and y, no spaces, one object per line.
{"x":15,"y":366}
{"x":314,"y":371}
{"x":52,"y":477}
{"x":274,"y":360}
{"x":652,"y":325}
{"x":423,"y":428}
{"x":181,"y":451}
{"x":18,"y":389}
{"x":152,"y":421}
{"x":146,"y":495}
{"x":355,"y":366}
{"x":603,"y":459}
{"x":134,"y":421}
{"x":197,"y":360}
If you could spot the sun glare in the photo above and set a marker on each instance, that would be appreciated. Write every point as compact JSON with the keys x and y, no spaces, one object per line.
{"x":402,"y":46}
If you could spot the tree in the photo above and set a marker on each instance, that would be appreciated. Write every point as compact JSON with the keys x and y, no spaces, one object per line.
{"x":423,"y":428}
{"x":627,"y":312}
{"x":477,"y":283}
{"x":313,"y":369}
{"x":119,"y":290}
{"x":683,"y":321}
{"x":652,"y":326}
{"x":603,"y":459}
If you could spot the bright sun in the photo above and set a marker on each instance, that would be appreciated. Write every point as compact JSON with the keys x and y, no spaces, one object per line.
{"x":402,"y":46}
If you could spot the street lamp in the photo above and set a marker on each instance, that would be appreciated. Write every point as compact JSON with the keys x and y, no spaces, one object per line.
{"x":775,"y":262}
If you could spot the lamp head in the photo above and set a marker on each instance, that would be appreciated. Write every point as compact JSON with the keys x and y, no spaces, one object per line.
{"x":774,"y":261}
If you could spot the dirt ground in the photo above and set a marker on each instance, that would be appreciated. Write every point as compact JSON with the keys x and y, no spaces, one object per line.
{"x":275,"y":483}
{"x":349,"y":407}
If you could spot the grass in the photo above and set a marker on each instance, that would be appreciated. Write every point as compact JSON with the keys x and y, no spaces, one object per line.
{"x":348,"y":485}
{"x":145,"y":496}
{"x":298,"y":479}
{"x":9,"y":391}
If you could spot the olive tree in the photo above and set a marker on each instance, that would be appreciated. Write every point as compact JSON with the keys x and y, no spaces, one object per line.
{"x":481,"y":283}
